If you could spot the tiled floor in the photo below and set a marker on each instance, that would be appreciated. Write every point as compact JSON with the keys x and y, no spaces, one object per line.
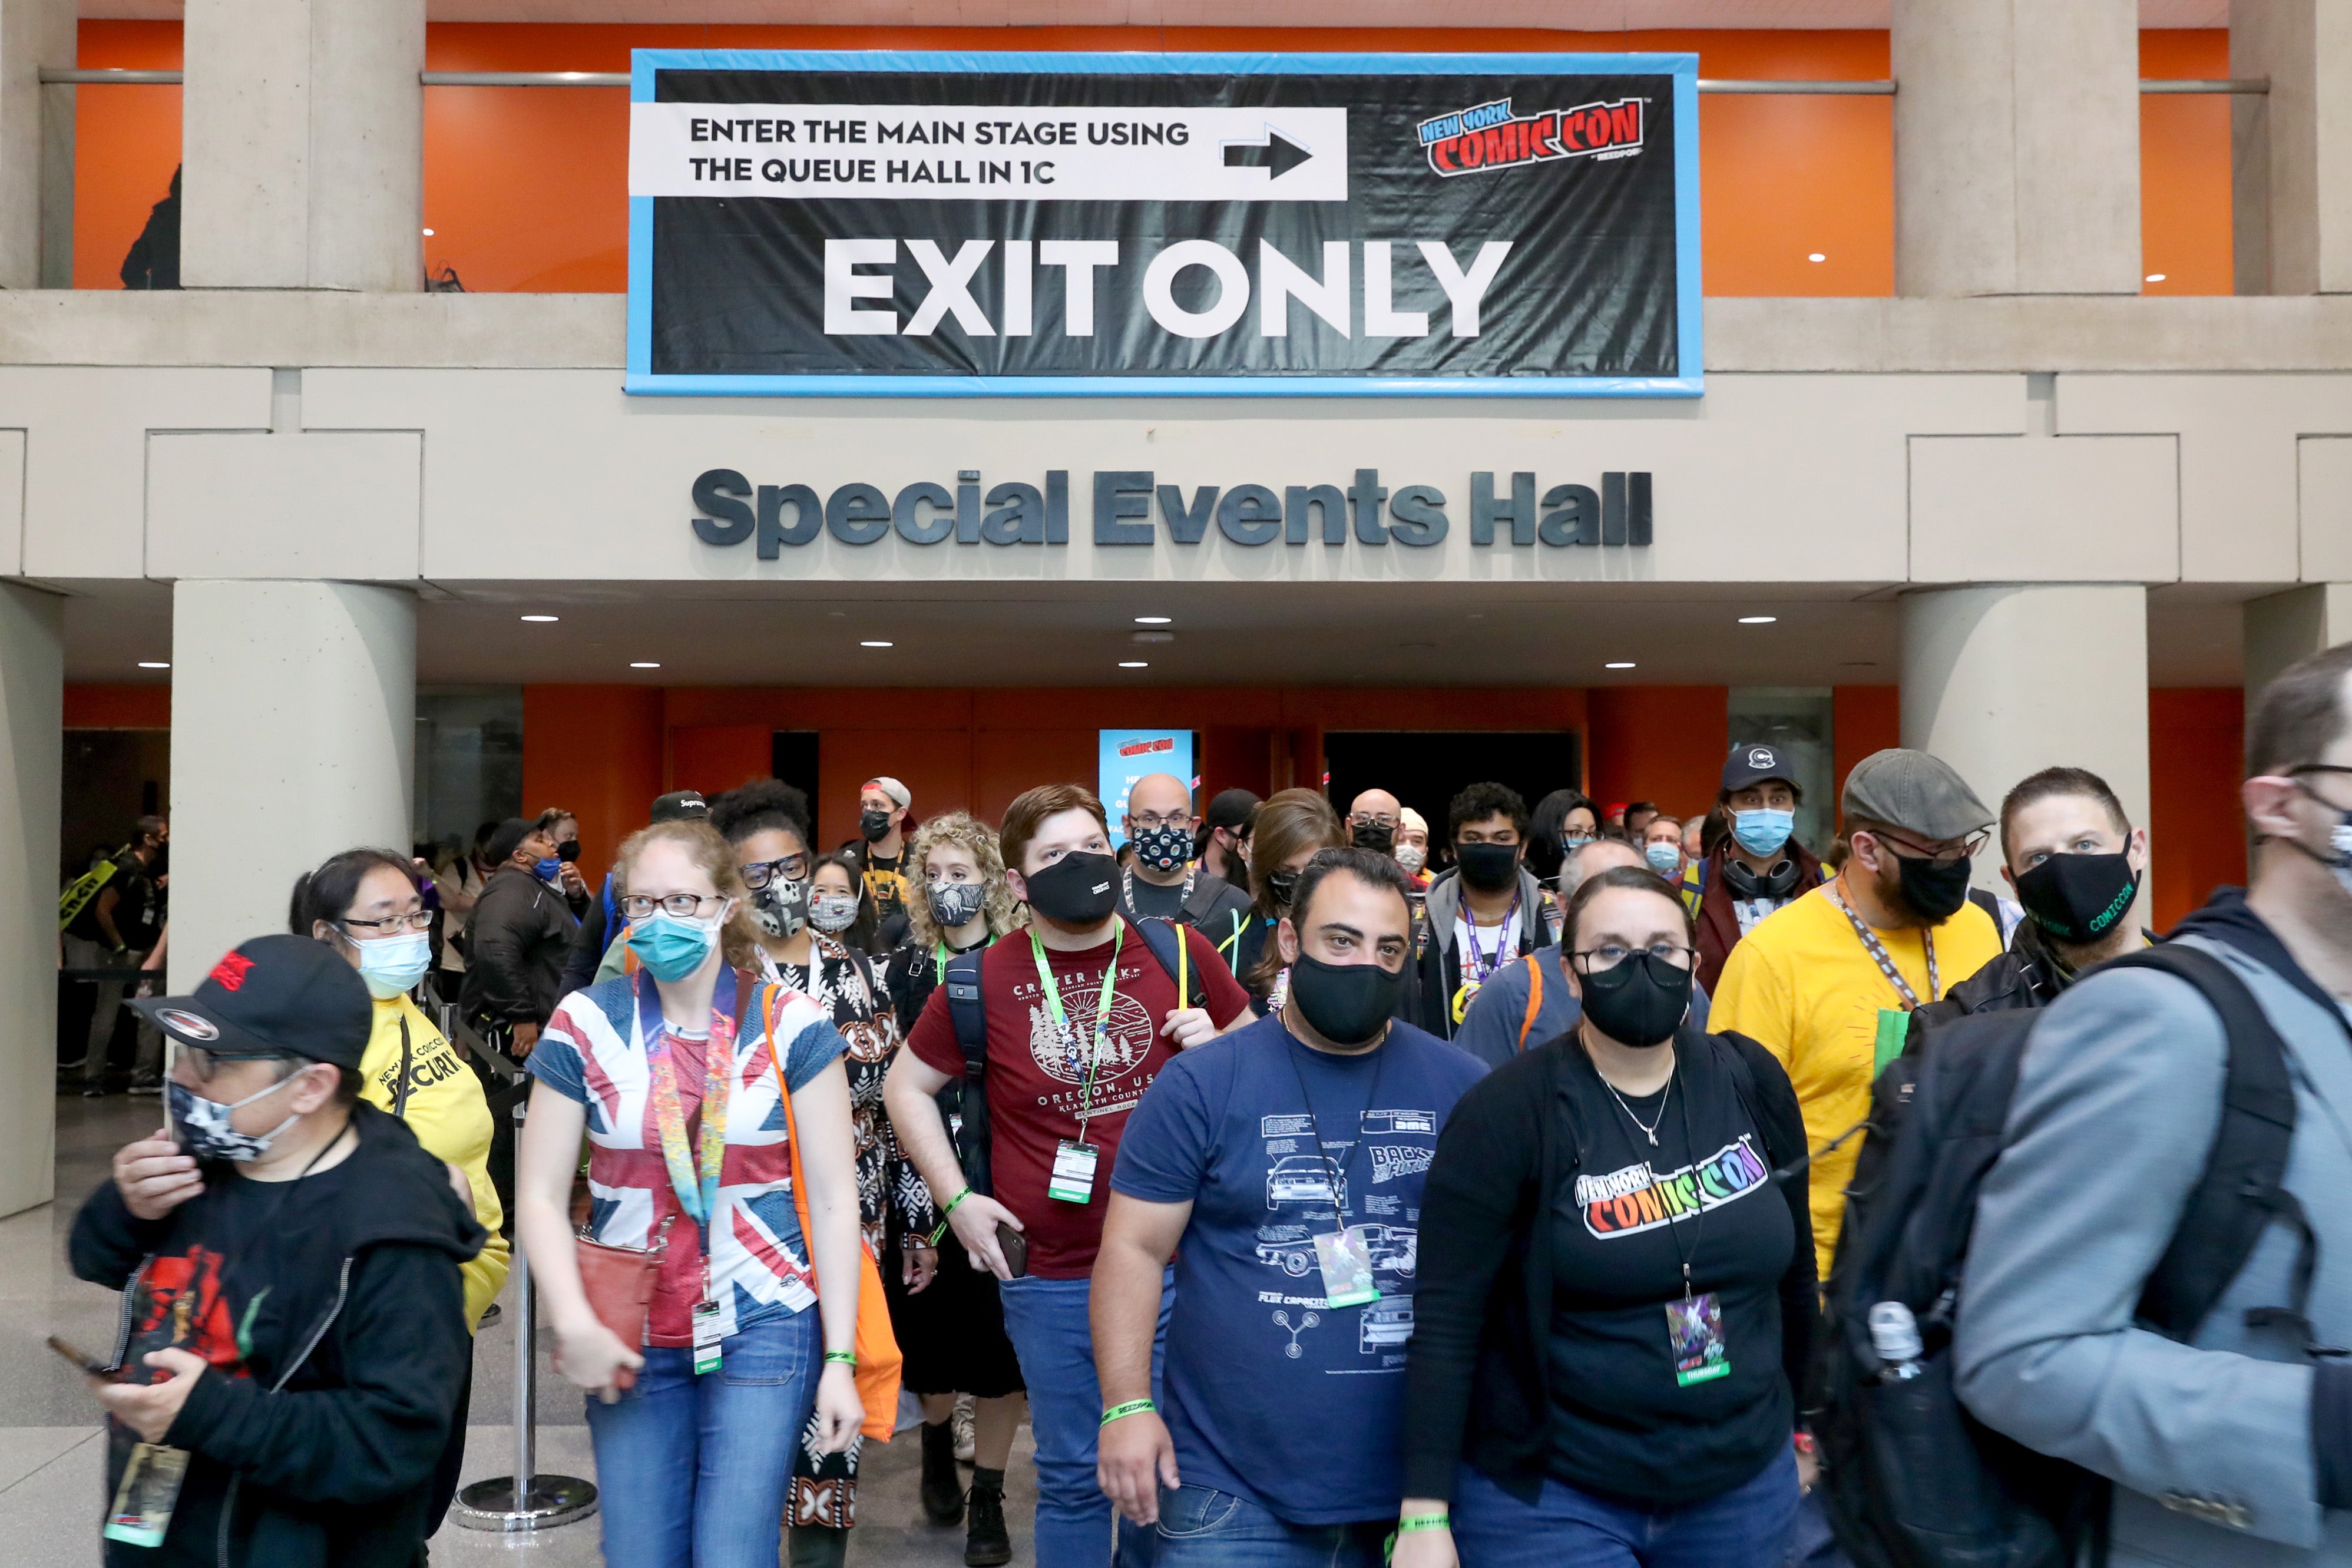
{"x":51,"y":1461}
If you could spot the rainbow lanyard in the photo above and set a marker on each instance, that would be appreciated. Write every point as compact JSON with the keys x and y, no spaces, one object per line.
{"x":699,"y":1198}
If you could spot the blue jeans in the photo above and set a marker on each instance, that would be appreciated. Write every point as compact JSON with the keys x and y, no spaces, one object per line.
{"x":692,"y":1471}
{"x":1046,"y":1321}
{"x":1746,"y":1527}
{"x":1201,"y":1527}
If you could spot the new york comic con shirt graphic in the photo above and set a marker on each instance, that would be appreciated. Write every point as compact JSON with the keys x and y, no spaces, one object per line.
{"x":1373,"y":1197}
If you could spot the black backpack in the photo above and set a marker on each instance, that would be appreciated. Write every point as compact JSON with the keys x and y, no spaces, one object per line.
{"x":1913,"y":1481}
{"x":970,"y":1015}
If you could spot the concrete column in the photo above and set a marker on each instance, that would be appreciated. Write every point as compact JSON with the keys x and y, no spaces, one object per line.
{"x":293,"y":736}
{"x":302,"y":125}
{"x":32,"y":33}
{"x":2016,"y":147}
{"x":2283,"y":627}
{"x":2004,"y":680}
{"x":2291,"y":149}
{"x":32,"y":721}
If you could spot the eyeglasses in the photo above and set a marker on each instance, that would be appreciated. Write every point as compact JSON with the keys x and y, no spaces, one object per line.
{"x":206,"y":1063}
{"x":760,"y":873}
{"x":636,"y":906}
{"x":1967,"y":850}
{"x":1149,"y":820}
{"x":1609,"y":956}
{"x":1371,"y":819}
{"x":415,"y":919}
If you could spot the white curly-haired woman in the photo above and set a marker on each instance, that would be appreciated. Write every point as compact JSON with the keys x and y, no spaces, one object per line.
{"x":944,"y":1311}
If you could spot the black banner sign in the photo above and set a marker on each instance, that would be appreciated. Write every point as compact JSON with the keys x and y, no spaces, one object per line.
{"x":881,"y":224}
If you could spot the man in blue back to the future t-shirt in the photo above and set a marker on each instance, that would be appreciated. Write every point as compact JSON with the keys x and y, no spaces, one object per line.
{"x":1288,"y":1160}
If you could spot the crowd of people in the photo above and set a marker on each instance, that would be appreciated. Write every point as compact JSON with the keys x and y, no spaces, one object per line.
{"x":1693,"y":1197}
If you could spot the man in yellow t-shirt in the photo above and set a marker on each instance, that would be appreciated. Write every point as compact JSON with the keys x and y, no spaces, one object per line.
{"x":1826,"y":984}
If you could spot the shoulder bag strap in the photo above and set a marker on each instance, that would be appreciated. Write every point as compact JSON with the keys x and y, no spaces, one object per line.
{"x":1535,"y":998}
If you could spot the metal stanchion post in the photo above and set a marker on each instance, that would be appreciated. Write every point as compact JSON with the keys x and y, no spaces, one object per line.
{"x":525,"y":1501}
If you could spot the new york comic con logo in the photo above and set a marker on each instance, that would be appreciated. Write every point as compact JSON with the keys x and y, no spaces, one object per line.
{"x":1489,"y":136}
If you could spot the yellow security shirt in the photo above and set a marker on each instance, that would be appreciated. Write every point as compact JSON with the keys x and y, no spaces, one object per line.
{"x":449,"y":1116}
{"x":1803,"y":985}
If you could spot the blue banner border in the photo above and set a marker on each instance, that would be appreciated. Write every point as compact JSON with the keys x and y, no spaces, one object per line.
{"x":1684,"y":67}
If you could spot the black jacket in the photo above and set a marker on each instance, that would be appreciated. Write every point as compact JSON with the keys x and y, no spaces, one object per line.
{"x":516,"y":943}
{"x":586,"y":954}
{"x":1476,"y":1387}
{"x":322,"y":1449}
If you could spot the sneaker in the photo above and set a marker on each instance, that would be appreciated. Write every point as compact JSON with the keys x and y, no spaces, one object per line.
{"x":491,"y":1314}
{"x":963,"y":1430}
{"x":93,"y":1091}
{"x":144,"y":1086}
{"x":942,"y":1490}
{"x":986,"y":1541}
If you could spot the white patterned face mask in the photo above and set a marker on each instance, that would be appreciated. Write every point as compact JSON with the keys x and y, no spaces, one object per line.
{"x":831,"y":912}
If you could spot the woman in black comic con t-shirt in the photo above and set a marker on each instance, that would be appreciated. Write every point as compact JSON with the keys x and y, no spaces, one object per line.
{"x":1617,"y":1181}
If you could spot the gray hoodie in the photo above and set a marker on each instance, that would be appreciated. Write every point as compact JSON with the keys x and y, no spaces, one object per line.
{"x":2118,"y":1100}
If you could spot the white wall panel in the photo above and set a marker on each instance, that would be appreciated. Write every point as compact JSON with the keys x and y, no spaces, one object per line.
{"x":2076,"y":508}
{"x":335,"y":505}
{"x":2324,"y":500}
{"x":11,"y":500}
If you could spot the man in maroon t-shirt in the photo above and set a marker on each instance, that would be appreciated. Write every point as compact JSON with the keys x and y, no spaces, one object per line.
{"x":1067,"y":1064}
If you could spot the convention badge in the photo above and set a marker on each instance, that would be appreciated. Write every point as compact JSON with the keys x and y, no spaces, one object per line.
{"x":1893,"y":1028}
{"x":1073,"y":1181}
{"x":706,"y":1337}
{"x":1346,"y":1259}
{"x":1695,"y":1329}
{"x":141,"y":1513}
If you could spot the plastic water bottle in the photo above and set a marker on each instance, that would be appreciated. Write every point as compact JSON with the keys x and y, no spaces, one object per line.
{"x":1895,"y":1335}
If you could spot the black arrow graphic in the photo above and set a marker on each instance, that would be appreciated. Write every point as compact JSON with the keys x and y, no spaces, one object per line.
{"x":1277,"y":149}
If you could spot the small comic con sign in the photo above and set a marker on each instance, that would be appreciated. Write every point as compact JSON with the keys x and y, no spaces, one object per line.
{"x":893,"y":224}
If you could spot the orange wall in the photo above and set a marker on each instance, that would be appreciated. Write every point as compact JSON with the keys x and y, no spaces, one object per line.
{"x":596,"y":751}
{"x":1862,"y":719}
{"x":544,"y":209}
{"x":2197,"y":839}
{"x":1661,"y":743}
{"x":118,"y":707}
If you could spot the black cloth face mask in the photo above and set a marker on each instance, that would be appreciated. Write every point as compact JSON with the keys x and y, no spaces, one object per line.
{"x":1640,"y":1003}
{"x":1347,"y":1004}
{"x":2079,"y":898}
{"x":1489,"y":867}
{"x":1934,"y":892}
{"x":1371,"y":835}
{"x":875,"y":824}
{"x":1080,"y":890}
{"x":1282,"y":884}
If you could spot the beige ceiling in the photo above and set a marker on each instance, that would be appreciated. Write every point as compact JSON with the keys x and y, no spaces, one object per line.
{"x":1575,"y":16}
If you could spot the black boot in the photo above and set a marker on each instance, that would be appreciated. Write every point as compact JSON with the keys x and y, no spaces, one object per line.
{"x":942,"y":1488}
{"x":986,"y":1542}
{"x":815,"y":1546}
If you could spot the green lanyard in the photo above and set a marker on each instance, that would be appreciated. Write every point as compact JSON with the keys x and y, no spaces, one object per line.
{"x":1062,"y":1020}
{"x":941,"y":953}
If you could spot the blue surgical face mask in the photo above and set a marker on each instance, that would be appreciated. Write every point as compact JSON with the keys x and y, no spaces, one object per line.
{"x":548,"y":869}
{"x":393,"y":964}
{"x":1763,"y":830}
{"x":204,"y":1125}
{"x":1663,"y":857}
{"x":671,"y":948}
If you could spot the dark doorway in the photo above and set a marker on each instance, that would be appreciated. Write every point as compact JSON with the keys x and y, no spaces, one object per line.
{"x":791,"y":757}
{"x":1425,"y":768}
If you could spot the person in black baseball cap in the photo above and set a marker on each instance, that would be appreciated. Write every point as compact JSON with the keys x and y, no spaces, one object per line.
{"x":1224,"y":836}
{"x":295,"y":1325}
{"x":1758,"y":866}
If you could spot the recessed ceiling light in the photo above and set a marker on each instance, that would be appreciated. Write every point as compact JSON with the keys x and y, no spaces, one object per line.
{"x":1817,"y":256}
{"x":1758,"y":620}
{"x":1133,"y":664}
{"x":878,"y":643}
{"x":642,"y":664}
{"x":2156,"y":277}
{"x":1152,"y":620}
{"x":538,"y":617}
{"x":429,"y":233}
{"x":153,"y":663}
{"x":1618,"y":664}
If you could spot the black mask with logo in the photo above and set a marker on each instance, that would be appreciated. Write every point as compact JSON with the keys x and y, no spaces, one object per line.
{"x":2079,"y":898}
{"x":1079,"y":889}
{"x":875,"y":824}
{"x":1935,"y":893}
{"x":1641,"y":1001}
{"x":1372,"y":836}
{"x":1489,"y":867}
{"x":1347,"y":1004}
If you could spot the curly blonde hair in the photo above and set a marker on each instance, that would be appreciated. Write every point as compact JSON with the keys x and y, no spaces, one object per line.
{"x":738,"y":939}
{"x":970,"y":835}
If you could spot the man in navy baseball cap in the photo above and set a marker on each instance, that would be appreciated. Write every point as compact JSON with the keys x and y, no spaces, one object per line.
{"x":1757,"y":866}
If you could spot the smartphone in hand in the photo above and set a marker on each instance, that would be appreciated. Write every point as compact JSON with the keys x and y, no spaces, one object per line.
{"x":1016,"y":1247}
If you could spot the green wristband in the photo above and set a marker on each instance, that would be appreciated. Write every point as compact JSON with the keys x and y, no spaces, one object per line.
{"x":1413,"y":1522}
{"x":1132,"y":1407}
{"x":960,"y":1197}
{"x":847,"y":1358}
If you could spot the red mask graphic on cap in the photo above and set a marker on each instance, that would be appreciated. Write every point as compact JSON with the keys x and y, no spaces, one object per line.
{"x":231,"y":970}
